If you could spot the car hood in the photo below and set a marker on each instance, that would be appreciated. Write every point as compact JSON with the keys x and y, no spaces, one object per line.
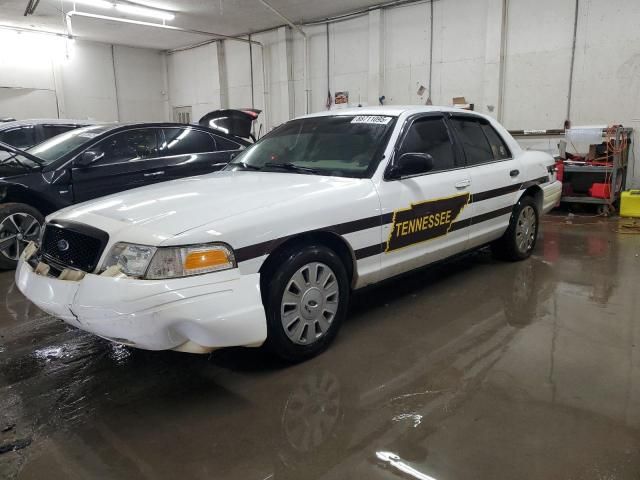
{"x":160,"y":212}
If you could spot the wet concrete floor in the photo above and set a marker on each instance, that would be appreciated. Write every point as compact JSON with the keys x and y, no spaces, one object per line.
{"x":474,"y":369}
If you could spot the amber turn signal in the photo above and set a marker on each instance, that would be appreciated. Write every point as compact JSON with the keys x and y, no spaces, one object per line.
{"x":206,"y":259}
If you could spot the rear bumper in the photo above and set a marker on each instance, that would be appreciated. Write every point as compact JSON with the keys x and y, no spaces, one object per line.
{"x":551,"y":194}
{"x":195,"y":314}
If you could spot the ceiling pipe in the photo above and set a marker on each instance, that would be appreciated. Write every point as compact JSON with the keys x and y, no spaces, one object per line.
{"x":33,"y":30}
{"x":307,"y":86}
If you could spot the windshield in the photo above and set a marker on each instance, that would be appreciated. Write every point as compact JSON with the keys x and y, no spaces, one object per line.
{"x":341,"y":145}
{"x":54,"y":148}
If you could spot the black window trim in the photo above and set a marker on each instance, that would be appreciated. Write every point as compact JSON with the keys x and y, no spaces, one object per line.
{"x":403,"y":134}
{"x":479,"y":119}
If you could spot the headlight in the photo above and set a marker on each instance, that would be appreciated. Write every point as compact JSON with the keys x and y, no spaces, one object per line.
{"x":132,"y":259}
{"x":170,"y":262}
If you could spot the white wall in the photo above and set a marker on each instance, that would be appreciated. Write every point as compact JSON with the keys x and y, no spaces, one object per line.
{"x":387,"y":53}
{"x":47,"y":76}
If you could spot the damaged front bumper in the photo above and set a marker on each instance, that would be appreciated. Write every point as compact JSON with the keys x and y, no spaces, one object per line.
{"x":194,"y":314}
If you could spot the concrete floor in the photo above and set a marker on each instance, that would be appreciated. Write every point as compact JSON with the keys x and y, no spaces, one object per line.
{"x":474,"y":369}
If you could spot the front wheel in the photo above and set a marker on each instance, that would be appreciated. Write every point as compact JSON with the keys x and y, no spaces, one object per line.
{"x":19,"y":225}
{"x":518,"y":241}
{"x":306,"y":300}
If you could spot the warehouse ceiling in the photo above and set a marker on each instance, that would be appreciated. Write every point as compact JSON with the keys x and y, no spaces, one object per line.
{"x":228,"y":17}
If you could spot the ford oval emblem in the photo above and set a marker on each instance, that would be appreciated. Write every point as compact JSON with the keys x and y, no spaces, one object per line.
{"x":63,"y":245}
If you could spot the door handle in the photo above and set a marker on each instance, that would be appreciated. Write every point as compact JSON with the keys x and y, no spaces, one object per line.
{"x":154,"y":174}
{"x":514,"y":173}
{"x":462,"y":184}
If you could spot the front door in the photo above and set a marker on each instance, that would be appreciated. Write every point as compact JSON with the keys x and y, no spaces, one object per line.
{"x":127,"y":159}
{"x":425,"y":216}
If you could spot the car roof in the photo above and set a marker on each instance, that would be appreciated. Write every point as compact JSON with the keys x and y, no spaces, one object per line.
{"x":51,"y":121}
{"x":389,"y":110}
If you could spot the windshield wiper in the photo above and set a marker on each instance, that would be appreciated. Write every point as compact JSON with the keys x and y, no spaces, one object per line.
{"x":292,"y":167}
{"x":246,"y":165}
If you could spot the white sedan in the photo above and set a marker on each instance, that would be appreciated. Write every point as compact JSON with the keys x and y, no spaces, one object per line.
{"x":270,"y":249}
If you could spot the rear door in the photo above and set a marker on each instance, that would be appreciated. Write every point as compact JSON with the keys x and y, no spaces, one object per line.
{"x":188,"y":151}
{"x":495,"y":177}
{"x":128,"y":159}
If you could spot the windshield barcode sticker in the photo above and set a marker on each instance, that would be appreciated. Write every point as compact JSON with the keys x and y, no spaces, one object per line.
{"x":375,"y":119}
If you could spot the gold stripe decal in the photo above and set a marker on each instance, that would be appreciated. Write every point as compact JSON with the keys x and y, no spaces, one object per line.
{"x":424,"y":221}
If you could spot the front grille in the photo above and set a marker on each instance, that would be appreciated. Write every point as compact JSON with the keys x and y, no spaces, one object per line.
{"x":73,"y":245}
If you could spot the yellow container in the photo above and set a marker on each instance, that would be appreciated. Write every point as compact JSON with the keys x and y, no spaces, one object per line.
{"x":630,"y":203}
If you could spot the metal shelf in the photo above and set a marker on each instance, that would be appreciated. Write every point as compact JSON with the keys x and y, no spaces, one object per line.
{"x":585,"y":199}
{"x":587,"y":168}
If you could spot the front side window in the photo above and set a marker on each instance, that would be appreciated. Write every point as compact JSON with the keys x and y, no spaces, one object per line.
{"x":130,"y":145}
{"x":340,"y":145}
{"x":21,"y":137}
{"x":429,"y":135}
{"x":473,"y":139}
{"x":183,"y":141}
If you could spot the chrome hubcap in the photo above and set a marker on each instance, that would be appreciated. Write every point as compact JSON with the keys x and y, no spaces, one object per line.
{"x":16,"y":231}
{"x":309,"y":303}
{"x":526,"y":229}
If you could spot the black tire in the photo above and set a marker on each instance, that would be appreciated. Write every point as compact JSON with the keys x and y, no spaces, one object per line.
{"x":507,"y":247}
{"x":274,"y":285}
{"x":9,"y":254}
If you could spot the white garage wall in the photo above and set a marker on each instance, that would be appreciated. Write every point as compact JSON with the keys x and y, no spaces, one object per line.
{"x":47,"y":76}
{"x":386,"y":52}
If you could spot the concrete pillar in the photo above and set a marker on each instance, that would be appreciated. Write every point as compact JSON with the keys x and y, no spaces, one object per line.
{"x":494,"y":59}
{"x":376,"y":56}
{"x":222,"y":75}
{"x":284,"y":73}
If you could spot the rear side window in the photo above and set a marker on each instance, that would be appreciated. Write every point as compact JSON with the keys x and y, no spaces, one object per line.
{"x":53,"y":130}
{"x":21,"y":137}
{"x":127,"y":146}
{"x":429,"y":135}
{"x":225,"y":144}
{"x":480,"y":141}
{"x":498,"y":147}
{"x":181,"y":141}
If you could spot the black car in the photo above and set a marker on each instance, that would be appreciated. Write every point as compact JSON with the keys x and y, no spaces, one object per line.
{"x":27,"y":133}
{"x":98,"y":160}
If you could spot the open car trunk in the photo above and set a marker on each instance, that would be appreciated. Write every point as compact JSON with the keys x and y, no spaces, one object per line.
{"x":232,"y":122}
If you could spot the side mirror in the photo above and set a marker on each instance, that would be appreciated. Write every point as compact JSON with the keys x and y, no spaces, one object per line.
{"x":87,"y":158}
{"x":411,"y":164}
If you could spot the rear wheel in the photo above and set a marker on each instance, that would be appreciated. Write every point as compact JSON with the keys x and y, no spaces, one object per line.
{"x":19,"y":225}
{"x":306,"y":300}
{"x":518,"y":241}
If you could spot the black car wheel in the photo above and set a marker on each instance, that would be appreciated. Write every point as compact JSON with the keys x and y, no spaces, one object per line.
{"x":518,"y":241}
{"x":306,"y":300}
{"x":19,"y":225}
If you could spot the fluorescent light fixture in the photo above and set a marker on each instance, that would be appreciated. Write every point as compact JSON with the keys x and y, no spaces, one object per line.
{"x":95,"y":3}
{"x":144,"y":12}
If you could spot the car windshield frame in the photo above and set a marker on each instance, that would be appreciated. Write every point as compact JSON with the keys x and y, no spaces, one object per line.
{"x":321,"y":135}
{"x":10,"y":154}
{"x":55,"y":148}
